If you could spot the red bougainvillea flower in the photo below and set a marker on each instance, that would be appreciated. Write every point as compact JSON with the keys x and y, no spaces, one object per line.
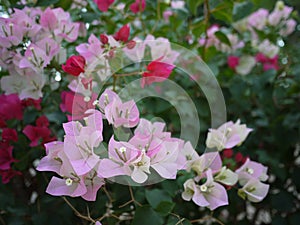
{"x":32,"y":102}
{"x":123,"y":34}
{"x":38,"y":135}
{"x":156,"y":72}
{"x":233,"y":61}
{"x":9,"y":134}
{"x":6,"y":156}
{"x":268,"y":63}
{"x":76,"y":104}
{"x":11,"y":107}
{"x":42,"y":121}
{"x":227,"y":153}
{"x":103,"y":5}
{"x":138,"y":6}
{"x":74,"y":65}
{"x":7,"y":175}
{"x":104,"y":39}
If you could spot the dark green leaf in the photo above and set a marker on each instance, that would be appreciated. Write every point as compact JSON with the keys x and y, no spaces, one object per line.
{"x":146,"y":216}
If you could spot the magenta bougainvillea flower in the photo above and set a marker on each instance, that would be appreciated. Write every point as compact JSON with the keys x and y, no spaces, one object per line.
{"x":74,"y":65}
{"x":156,"y":72}
{"x":138,"y":6}
{"x":103,"y":5}
{"x":122,"y":34}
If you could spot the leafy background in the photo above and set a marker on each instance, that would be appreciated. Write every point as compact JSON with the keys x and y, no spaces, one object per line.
{"x":265,"y":101}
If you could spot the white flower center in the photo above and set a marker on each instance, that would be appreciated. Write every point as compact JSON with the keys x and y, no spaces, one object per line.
{"x":122,"y":149}
{"x":69,"y":181}
{"x":250,"y":171}
{"x":203,"y":188}
{"x":87,"y":99}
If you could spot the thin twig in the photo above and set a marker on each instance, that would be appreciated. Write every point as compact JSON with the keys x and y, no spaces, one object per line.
{"x":206,"y":20}
{"x":131,"y":200}
{"x":77,"y":213}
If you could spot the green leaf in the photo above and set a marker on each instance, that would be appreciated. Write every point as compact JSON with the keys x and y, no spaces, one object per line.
{"x":241,"y":10}
{"x":193,"y":5}
{"x":164,"y":208}
{"x":46,"y":2}
{"x":156,"y":196}
{"x":283,"y":201}
{"x":223,"y":37}
{"x":146,"y":216}
{"x":65,"y":4}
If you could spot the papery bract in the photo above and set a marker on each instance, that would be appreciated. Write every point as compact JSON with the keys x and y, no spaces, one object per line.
{"x":123,"y":34}
{"x":156,"y":72}
{"x":138,"y":6}
{"x":74,"y":65}
{"x":227,"y":136}
{"x":103,"y":5}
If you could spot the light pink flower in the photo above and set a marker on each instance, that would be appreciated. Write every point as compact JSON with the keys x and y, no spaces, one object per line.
{"x":251,"y":169}
{"x":254,"y":190}
{"x":210,"y":194}
{"x":227,"y":136}
{"x":258,"y":19}
{"x":122,"y":114}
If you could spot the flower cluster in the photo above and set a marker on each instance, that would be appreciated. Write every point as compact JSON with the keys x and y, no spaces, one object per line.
{"x":207,"y":188}
{"x":93,"y":61}
{"x":30,"y":39}
{"x":83,"y":169}
{"x":12,"y":109}
{"x":253,"y":30}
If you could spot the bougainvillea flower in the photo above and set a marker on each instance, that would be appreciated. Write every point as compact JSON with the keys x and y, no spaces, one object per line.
{"x":165,"y":161}
{"x":103,"y":5}
{"x":74,"y":65}
{"x":9,"y":134}
{"x":7,"y":175}
{"x":11,"y":107}
{"x":233,"y":61}
{"x":42,"y":121}
{"x":268,"y":63}
{"x":120,"y":156}
{"x":226,"y":176}
{"x":76,"y":104}
{"x":34,"y":58}
{"x":122,"y":34}
{"x":187,"y":155}
{"x":258,"y":19}
{"x":254,"y":190}
{"x":48,"y":19}
{"x":210,"y":194}
{"x":73,"y":187}
{"x":209,"y":160}
{"x":52,"y":161}
{"x":227,"y":135}
{"x":37,"y":135}
{"x":36,"y":103}
{"x":251,"y":169}
{"x":93,"y":183}
{"x":138,"y":6}
{"x":156,"y":72}
{"x":122,"y":114}
{"x":6,"y":156}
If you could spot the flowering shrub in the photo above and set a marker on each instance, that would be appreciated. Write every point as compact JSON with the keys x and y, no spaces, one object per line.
{"x":98,"y":103}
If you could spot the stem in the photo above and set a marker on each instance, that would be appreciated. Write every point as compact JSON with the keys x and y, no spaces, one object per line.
{"x":208,"y":218}
{"x":2,"y":221}
{"x":206,"y":20}
{"x":127,"y":74}
{"x":108,"y":195}
{"x":77,"y":213}
{"x":131,"y":200}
